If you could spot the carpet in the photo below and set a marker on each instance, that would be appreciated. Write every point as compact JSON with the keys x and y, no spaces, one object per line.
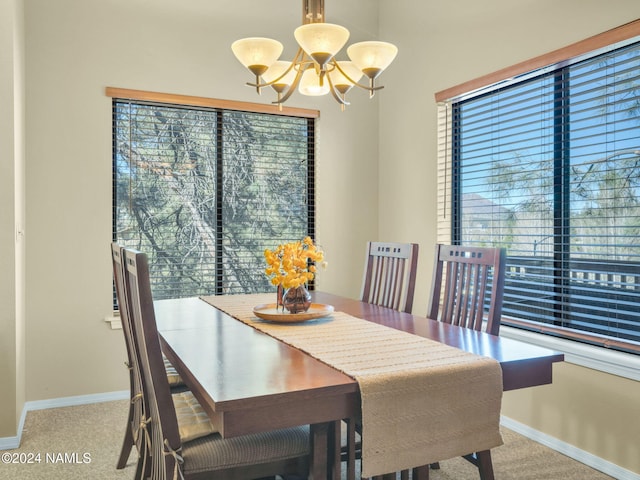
{"x":97,"y":429}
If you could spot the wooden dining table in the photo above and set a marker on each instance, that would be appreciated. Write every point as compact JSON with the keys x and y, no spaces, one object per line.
{"x":248,"y":381}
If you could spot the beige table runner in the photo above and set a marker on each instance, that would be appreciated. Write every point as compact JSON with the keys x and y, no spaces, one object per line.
{"x":422,"y":401}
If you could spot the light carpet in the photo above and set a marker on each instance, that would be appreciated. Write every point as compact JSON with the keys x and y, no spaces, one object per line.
{"x":98,"y":428}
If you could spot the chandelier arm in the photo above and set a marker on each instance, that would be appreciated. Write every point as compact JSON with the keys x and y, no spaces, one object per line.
{"x":346,"y":75}
{"x":342,"y":101}
{"x":370,"y":88}
{"x":292,"y":87}
{"x":298,"y":60}
{"x":289,"y":68}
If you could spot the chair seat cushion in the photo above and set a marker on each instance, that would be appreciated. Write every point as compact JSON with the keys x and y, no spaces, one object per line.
{"x":172,"y":375}
{"x":193,"y":421}
{"x":214,"y":452}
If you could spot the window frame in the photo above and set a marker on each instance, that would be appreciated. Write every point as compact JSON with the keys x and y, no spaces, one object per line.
{"x":447,"y":198}
{"x":218,"y":108}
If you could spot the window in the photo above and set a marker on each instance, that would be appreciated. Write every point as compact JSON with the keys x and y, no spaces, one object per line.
{"x":204,"y":190}
{"x":548,"y":166}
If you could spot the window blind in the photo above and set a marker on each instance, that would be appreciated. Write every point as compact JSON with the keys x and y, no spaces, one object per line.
{"x":444,"y":173}
{"x":549,"y":167}
{"x":203,"y":191}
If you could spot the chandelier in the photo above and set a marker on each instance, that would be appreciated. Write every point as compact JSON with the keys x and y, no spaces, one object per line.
{"x":314,"y":69}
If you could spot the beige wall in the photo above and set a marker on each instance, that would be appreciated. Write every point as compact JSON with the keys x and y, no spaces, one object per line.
{"x":376,"y":165}
{"x":12,"y":356}
{"x":443,"y":44}
{"x":76,"y":48}
{"x":591,"y":410}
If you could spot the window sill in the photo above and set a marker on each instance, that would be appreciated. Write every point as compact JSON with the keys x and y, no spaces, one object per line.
{"x":114,"y":320}
{"x":622,"y":364}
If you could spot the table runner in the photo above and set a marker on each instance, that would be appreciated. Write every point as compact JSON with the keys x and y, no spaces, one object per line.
{"x":421,"y":401}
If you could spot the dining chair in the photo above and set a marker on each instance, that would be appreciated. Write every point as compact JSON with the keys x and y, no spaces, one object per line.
{"x":389,"y":278}
{"x":131,"y":437}
{"x":467,"y":290}
{"x":468,"y":286}
{"x":192,"y":419}
{"x":278,"y":452}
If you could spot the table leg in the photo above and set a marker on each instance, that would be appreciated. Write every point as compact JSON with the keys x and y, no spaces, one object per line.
{"x":319,"y":460}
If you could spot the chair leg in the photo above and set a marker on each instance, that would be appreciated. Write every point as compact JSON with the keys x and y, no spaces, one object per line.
{"x":351,"y":448}
{"x":421,"y":473}
{"x":127,"y":445}
{"x":485,"y":465}
{"x":334,"y":447}
{"x":140,"y":468}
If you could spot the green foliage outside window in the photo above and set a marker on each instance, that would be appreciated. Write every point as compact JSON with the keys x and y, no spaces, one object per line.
{"x":205,"y":191}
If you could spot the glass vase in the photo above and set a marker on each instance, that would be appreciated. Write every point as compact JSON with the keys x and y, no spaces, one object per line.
{"x":297,"y":300}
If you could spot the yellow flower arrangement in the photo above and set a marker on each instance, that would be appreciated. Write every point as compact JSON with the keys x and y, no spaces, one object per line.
{"x":293,"y":264}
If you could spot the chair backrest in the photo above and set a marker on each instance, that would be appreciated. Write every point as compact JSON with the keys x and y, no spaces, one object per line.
{"x":161,"y":423}
{"x":133,"y":360}
{"x":467,"y":282}
{"x":390,"y":275}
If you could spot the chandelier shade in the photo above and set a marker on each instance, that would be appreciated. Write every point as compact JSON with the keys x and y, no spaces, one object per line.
{"x":276,"y":77}
{"x":372,"y":57}
{"x":256,"y":53}
{"x":311,"y":84}
{"x":314,"y":70}
{"x":343,"y":82}
{"x":321,"y":41}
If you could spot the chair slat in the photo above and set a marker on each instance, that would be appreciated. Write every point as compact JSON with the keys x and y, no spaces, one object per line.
{"x":389,"y":275}
{"x":467,"y":286}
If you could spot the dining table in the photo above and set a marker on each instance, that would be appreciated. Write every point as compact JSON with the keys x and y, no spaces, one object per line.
{"x":248,"y":381}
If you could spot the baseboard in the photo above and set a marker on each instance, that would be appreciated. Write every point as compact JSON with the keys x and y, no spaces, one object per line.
{"x":77,"y":400}
{"x":9,"y":443}
{"x":569,"y":450}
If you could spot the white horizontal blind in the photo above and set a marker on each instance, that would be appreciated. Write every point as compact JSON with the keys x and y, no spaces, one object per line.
{"x":204,"y":191}
{"x":549,"y":168}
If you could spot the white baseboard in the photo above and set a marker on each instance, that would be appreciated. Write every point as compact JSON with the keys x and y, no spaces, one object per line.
{"x":77,"y":400}
{"x":569,"y":450}
{"x":9,"y":443}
